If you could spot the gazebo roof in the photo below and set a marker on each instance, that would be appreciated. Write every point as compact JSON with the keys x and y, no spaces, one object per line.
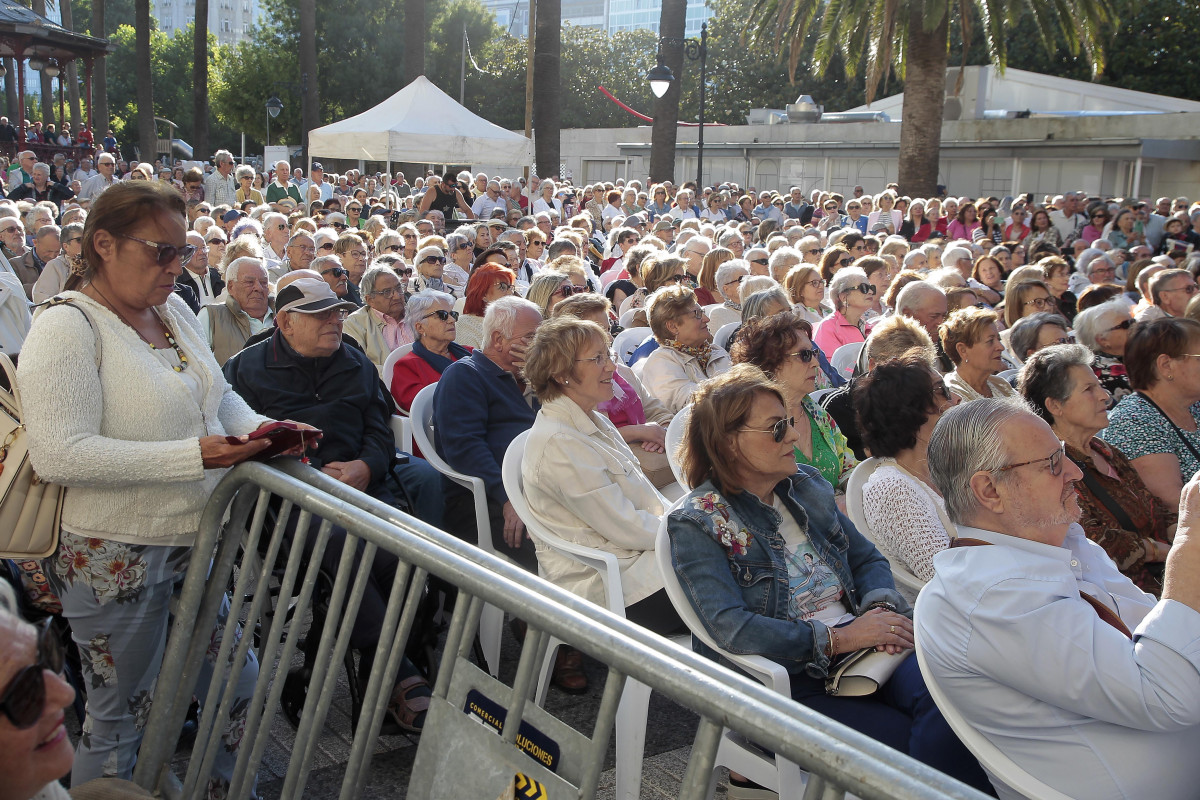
{"x":34,"y":35}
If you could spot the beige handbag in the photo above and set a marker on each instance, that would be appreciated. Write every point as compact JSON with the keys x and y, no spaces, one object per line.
{"x":30,"y":510}
{"x":863,"y":672}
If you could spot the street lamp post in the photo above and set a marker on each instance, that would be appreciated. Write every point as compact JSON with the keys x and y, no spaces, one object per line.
{"x":660,"y":78}
{"x":274,"y":106}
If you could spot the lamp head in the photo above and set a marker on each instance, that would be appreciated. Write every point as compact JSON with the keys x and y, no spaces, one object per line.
{"x":274,"y":106}
{"x":660,"y":78}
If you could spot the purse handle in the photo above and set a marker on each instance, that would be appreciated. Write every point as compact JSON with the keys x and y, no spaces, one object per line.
{"x":11,"y":398}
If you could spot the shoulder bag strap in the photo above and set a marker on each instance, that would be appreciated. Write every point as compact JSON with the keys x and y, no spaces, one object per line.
{"x":1170,"y":422}
{"x":1105,"y":498}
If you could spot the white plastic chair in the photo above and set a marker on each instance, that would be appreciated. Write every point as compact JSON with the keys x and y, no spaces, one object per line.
{"x":627,"y":341}
{"x":854,"y":510}
{"x":400,"y":423}
{"x":845,"y":357}
{"x":816,"y":396}
{"x":491,"y":621}
{"x":627,"y":318}
{"x":1010,"y":780}
{"x":735,"y":752}
{"x":635,"y":699}
{"x":723,"y":334}
{"x":1007,"y":375}
{"x":675,"y":432}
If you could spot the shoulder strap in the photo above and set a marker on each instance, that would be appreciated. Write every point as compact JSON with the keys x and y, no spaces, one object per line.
{"x":59,"y":300}
{"x":1170,"y":422}
{"x":1105,"y":498}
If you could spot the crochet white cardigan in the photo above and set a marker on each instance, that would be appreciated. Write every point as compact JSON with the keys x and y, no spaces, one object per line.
{"x":124,"y":438}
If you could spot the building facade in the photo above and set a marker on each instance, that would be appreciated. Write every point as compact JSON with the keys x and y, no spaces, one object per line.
{"x":229,"y":20}
{"x":609,"y":15}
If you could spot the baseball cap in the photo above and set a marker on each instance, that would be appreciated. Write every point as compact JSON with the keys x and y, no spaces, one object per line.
{"x":309,"y":296}
{"x":231,"y":215}
{"x":662,"y":225}
{"x":316,"y":165}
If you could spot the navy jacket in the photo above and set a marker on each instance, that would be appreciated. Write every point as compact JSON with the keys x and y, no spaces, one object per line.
{"x":342,"y":395}
{"x":478,"y":409}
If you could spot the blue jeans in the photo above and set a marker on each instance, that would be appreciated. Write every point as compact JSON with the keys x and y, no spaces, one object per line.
{"x":901,"y":715}
{"x":423,"y":485}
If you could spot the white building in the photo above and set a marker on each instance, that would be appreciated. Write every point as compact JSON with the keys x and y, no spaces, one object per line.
{"x":1020,"y":132}
{"x":229,"y":20}
{"x":609,"y":15}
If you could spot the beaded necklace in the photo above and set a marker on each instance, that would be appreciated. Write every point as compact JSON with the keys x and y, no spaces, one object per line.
{"x":183,"y":362}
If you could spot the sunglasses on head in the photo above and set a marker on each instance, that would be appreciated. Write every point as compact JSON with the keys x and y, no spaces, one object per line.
{"x":165,"y":253}
{"x":778,"y":431}
{"x":24,"y":700}
{"x":442,"y":314}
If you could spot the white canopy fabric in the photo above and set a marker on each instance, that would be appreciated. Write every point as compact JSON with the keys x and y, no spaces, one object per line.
{"x":421,"y":123}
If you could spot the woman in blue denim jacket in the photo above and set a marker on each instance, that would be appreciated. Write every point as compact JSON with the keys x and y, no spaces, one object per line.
{"x":772,"y":568}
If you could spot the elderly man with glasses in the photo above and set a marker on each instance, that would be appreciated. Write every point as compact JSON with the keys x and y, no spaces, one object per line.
{"x":378,"y":326}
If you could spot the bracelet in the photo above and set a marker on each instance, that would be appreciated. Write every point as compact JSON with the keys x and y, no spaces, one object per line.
{"x":833,"y":643}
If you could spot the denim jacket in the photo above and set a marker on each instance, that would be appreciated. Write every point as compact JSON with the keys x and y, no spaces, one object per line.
{"x":735,"y":573}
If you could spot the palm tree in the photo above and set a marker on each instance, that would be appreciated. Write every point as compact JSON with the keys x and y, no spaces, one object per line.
{"x":308,"y":71}
{"x":671,"y":22}
{"x":547,"y":87}
{"x":99,"y":79}
{"x":72,"y":69}
{"x":912,"y":37}
{"x":47,"y":83}
{"x":147,"y":140}
{"x":414,"y":39}
{"x":200,"y":81}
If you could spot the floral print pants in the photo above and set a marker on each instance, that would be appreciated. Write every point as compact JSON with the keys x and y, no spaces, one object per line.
{"x":116,"y":597}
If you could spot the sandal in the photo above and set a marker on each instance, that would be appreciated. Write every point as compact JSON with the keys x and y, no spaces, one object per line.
{"x":410,"y":701}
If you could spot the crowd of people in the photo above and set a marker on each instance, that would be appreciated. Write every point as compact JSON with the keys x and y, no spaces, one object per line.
{"x":1020,"y":372}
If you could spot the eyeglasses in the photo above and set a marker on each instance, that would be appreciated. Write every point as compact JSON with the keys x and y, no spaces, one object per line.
{"x":865,"y":288}
{"x":25,"y":698}
{"x":1189,"y":289}
{"x":805,"y":356}
{"x":1040,"y":302}
{"x":738,"y":279}
{"x":1124,"y":325}
{"x":696,"y":313}
{"x":337,"y":271}
{"x":601,"y":360}
{"x":433,"y":260}
{"x":778,"y":431}
{"x":817,"y":283}
{"x":329,"y":315}
{"x":341,"y":226}
{"x":10,"y":229}
{"x":1055,"y":459}
{"x":758,"y":261}
{"x":845,"y":262}
{"x":165,"y":253}
{"x":72,"y":241}
{"x":442,"y":314}
{"x":395,"y":291}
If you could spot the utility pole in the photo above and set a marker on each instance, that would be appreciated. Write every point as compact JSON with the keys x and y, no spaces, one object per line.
{"x":529,"y":40}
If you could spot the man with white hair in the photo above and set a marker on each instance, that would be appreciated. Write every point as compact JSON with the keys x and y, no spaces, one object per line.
{"x":282,"y":186}
{"x":245,"y":311}
{"x":197,"y":275}
{"x":26,"y":159}
{"x":488,"y":200}
{"x":926,"y":303}
{"x":276,"y":234}
{"x":220,"y":188}
{"x":1036,"y":639}
{"x":84,"y":171}
{"x":683,"y":208}
{"x":1066,"y":217}
{"x":41,"y":188}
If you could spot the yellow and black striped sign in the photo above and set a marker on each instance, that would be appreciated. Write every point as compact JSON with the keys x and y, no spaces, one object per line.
{"x":527,"y":788}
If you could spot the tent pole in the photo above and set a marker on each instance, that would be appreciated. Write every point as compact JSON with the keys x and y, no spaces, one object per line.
{"x":529,"y":39}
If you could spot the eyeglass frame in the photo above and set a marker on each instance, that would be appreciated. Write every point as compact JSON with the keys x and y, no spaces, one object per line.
{"x":50,"y":651}
{"x":778,"y":431}
{"x":1055,"y":470}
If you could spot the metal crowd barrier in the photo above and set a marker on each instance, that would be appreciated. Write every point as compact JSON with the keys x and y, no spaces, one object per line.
{"x":479,"y":733}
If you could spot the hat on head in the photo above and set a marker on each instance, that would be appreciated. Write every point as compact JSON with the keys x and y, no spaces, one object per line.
{"x":426,"y":252}
{"x":231,"y":215}
{"x":662,"y":225}
{"x":316,"y":165}
{"x":286,"y":202}
{"x":309,"y":296}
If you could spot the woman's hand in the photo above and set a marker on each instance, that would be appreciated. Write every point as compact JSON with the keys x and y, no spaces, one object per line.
{"x":217,"y":453}
{"x":879,"y":628}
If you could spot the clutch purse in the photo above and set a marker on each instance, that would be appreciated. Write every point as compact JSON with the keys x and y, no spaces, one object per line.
{"x":862,"y":672}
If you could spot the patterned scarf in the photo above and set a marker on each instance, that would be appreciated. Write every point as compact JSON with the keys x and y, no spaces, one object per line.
{"x":701,"y":352}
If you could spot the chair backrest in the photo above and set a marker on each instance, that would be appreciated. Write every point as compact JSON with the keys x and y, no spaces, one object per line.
{"x":422,"y":433}
{"x":723,"y":334}
{"x":675,"y":433}
{"x":1008,"y":374}
{"x":627,"y":341}
{"x":845,"y":357}
{"x":816,"y":396}
{"x":389,"y":364}
{"x":604,"y":563}
{"x":1000,"y":768}
{"x":854,"y":510}
{"x":627,"y":318}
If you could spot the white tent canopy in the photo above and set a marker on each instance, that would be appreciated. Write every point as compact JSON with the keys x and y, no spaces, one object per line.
{"x":422,"y":124}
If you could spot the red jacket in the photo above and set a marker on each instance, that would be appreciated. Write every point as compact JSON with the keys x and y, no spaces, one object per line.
{"x":411,"y":374}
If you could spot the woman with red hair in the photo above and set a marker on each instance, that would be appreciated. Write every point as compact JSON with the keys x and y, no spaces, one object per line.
{"x":489,"y":281}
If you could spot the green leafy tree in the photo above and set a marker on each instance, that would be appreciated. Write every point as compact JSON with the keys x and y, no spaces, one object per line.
{"x":443,"y":56}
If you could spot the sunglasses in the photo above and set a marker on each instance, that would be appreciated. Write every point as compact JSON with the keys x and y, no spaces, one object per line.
{"x":326,"y":246}
{"x":942,"y":391}
{"x":778,"y":431}
{"x":566,"y":290}
{"x":805,"y":356}
{"x":337,"y":271}
{"x":72,"y":241}
{"x":442,"y":314}
{"x":758,"y":261}
{"x":865,"y":288}
{"x":1123,"y":326}
{"x":338,"y":226}
{"x":405,"y":271}
{"x":845,"y":262}
{"x":677,"y":278}
{"x":24,"y":700}
{"x":391,"y":248}
{"x":738,"y":279}
{"x":433,"y":260}
{"x":165,"y":253}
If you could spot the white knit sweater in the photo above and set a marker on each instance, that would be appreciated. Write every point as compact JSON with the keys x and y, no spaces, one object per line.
{"x":124,"y":438}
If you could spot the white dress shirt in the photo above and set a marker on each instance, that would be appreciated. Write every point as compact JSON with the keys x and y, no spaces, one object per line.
{"x":1064,"y":694}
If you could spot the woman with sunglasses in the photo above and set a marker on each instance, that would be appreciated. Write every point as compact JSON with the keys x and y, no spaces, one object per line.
{"x":1104,"y":329}
{"x":548,"y":288}
{"x":897,"y":405}
{"x":835,"y":258}
{"x":852,"y":296}
{"x":430,"y":267}
{"x":659,"y":203}
{"x":126,"y":406}
{"x":1098,"y":218}
{"x":433,"y":325}
{"x":583,"y":481}
{"x":685,"y":355}
{"x":1120,"y":513}
{"x":970,"y":337}
{"x":885,"y":213}
{"x":490,"y":280}
{"x":773,"y":568}
{"x":245,"y":179}
{"x":781,"y":346}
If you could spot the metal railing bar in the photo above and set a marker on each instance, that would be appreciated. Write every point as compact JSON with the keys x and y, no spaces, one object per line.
{"x":698,"y":774}
{"x":610,"y":703}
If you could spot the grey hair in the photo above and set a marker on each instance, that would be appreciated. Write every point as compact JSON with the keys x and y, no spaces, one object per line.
{"x":388,"y":238}
{"x":723,"y":273}
{"x":547,"y":182}
{"x":222,"y":155}
{"x":969,"y":439}
{"x":418,"y":306}
{"x":785,"y":253}
{"x":46,"y":230}
{"x":70,"y":228}
{"x":1023,"y":335}
{"x":843,"y":281}
{"x":321,"y":263}
{"x":755,"y":305}
{"x":911,"y":256}
{"x":726,"y":235}
{"x":366,"y":284}
{"x":456,"y":241}
{"x":1047,"y":374}
{"x":501,"y":316}
{"x":755,"y":283}
{"x":946,"y":278}
{"x":244,"y":171}
{"x":40,"y":167}
{"x":1092,"y":323}
{"x":300,"y":234}
{"x":231,"y":271}
{"x":245,"y":226}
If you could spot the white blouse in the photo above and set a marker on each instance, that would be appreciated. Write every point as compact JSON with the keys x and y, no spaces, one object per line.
{"x":907,"y":517}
